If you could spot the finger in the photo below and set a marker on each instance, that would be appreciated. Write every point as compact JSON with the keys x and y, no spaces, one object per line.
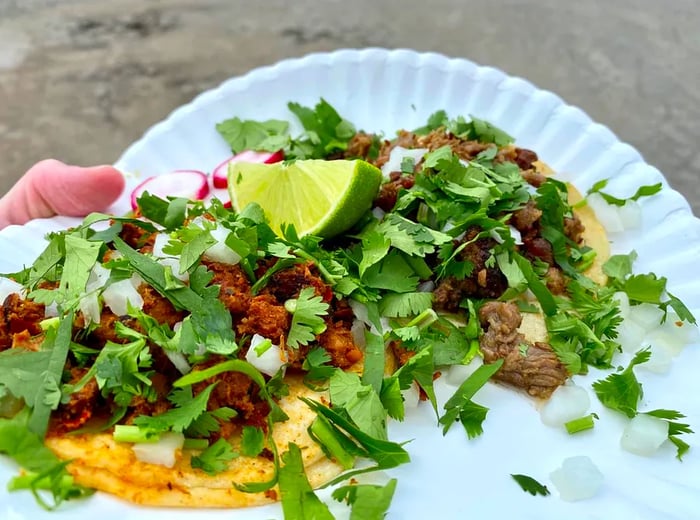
{"x":52,"y":188}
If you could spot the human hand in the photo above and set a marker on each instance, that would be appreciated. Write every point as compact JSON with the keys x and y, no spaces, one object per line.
{"x":52,"y":188}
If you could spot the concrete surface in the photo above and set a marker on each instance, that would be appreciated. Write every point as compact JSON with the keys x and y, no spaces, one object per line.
{"x":81,"y":79}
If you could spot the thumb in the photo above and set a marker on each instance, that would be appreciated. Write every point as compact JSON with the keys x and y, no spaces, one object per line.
{"x":52,"y":188}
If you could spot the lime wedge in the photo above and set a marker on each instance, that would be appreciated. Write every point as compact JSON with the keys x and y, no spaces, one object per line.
{"x":319,"y":197}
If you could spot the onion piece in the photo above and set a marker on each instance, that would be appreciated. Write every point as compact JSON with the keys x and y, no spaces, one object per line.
{"x":191,"y":184}
{"x":178,"y":360}
{"x":411,"y":396}
{"x":398,"y":154}
{"x":220,"y":252}
{"x":8,"y":287}
{"x":358,"y":333}
{"x":647,"y":315}
{"x":163,"y":452}
{"x":644,"y":435}
{"x":427,"y":286}
{"x":220,"y":174}
{"x":269,"y":361}
{"x":577,"y":479}
{"x":607,"y":214}
{"x":568,"y":402}
{"x":118,"y":295}
{"x":630,"y":214}
{"x":630,"y":335}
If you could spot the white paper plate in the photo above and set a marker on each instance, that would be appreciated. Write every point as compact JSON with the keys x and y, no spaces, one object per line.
{"x":451,"y":477}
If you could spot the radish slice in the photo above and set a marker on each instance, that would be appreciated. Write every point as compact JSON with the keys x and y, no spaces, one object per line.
{"x":220,"y":174}
{"x":577,"y":479}
{"x":191,"y":184}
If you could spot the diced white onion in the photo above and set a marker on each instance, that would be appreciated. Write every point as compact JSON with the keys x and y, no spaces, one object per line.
{"x":270,"y":361}
{"x":358,"y":333}
{"x":220,"y":252}
{"x":659,"y":362}
{"x":668,"y":340}
{"x":647,"y":315}
{"x":178,"y":360}
{"x":568,"y":402}
{"x":623,"y":303}
{"x":630,"y":214}
{"x":427,"y":286}
{"x":174,"y":264}
{"x":577,"y":479}
{"x":607,"y":214}
{"x":118,"y":294}
{"x":516,"y":235}
{"x":161,"y":240}
{"x":398,"y":154}
{"x":8,"y":287}
{"x":378,"y":213}
{"x":457,"y":374}
{"x":411,"y":396}
{"x":644,"y":435}
{"x":630,"y":335}
{"x":90,"y":308}
{"x":360,"y":311}
{"x":98,"y":278}
{"x":164,"y":452}
{"x":51,"y":310}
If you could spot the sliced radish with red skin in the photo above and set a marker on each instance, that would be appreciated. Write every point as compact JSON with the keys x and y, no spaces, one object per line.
{"x":190,"y":184}
{"x":220,"y":174}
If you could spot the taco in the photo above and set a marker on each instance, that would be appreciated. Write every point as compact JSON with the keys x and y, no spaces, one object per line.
{"x":195,"y":321}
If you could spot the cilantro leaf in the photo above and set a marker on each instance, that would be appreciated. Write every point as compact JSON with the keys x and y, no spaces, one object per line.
{"x":369,"y":502}
{"x":675,"y":428}
{"x":325,"y":131}
{"x":252,"y":441}
{"x":297,"y":495}
{"x":530,"y":485}
{"x":270,"y":135}
{"x":44,"y":470}
{"x":179,"y":418}
{"x":622,"y":391}
{"x":461,"y":400}
{"x":215,"y":458}
{"x":360,"y":401}
{"x":642,"y":191}
{"x":307,"y":322}
{"x":407,"y":304}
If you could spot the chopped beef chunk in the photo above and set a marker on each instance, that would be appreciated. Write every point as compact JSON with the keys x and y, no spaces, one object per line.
{"x":337,"y":340}
{"x":136,"y":236}
{"x":389,"y":191}
{"x":235,"y":390}
{"x":556,"y":281}
{"x":527,"y":218}
{"x":81,"y":406}
{"x":159,"y":307}
{"x":483,"y":282}
{"x":288,"y":283}
{"x":18,"y":315}
{"x":401,"y":353}
{"x":524,"y":158}
{"x":359,"y":146}
{"x":534,"y":368}
{"x":267,"y":317}
{"x":466,"y":150}
{"x":573,"y":228}
{"x":533,"y":178}
{"x":235,"y":288}
{"x":538,"y":247}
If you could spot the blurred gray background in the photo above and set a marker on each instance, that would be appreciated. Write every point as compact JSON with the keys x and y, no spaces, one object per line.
{"x":81,"y":79}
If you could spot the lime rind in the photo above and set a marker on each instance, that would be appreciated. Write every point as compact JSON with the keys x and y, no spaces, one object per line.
{"x":319,"y":197}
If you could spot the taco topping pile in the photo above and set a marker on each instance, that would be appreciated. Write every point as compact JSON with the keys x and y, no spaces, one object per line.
{"x":191,"y":355}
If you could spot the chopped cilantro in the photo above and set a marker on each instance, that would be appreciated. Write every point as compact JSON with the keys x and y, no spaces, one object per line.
{"x":297,"y":495}
{"x":530,"y":485}
{"x":215,"y":458}
{"x":642,"y":191}
{"x":460,"y":406}
{"x":307,"y":322}
{"x":368,"y":502}
{"x":252,"y":441}
{"x":270,"y":135}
